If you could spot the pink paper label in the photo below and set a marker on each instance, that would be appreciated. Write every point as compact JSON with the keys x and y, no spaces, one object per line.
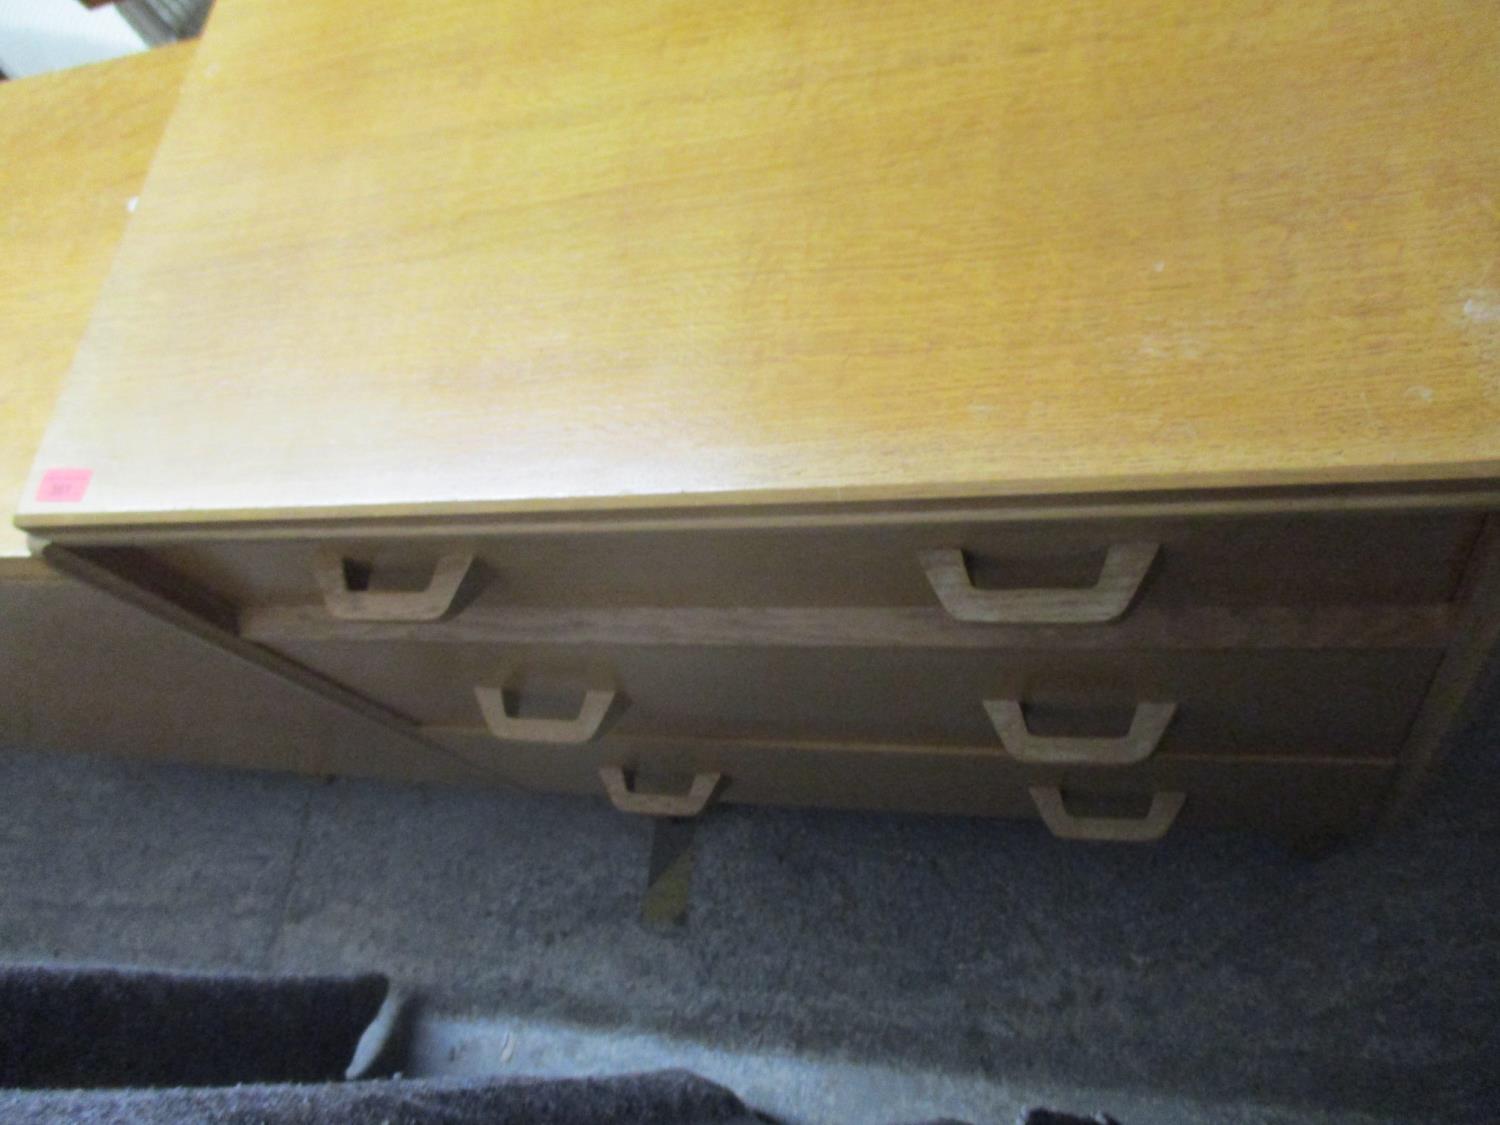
{"x":64,"y":486}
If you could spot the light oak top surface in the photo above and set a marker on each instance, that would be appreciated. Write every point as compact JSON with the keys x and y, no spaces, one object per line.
{"x":74,"y":149}
{"x":459,"y":256}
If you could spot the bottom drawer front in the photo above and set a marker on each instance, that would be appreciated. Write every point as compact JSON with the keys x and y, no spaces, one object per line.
{"x":1289,"y":796}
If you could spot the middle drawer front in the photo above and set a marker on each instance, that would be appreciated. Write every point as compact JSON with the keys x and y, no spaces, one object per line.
{"x":1355,"y":703}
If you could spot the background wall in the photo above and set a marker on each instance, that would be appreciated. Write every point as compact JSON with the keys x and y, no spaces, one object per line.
{"x":42,"y":35}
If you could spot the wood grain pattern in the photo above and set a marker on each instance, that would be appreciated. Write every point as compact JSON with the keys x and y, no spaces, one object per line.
{"x":198,"y":614}
{"x":1414,"y":558}
{"x":83,"y":671}
{"x":426,"y":604}
{"x":1123,"y":830}
{"x":1125,"y":567}
{"x":120,"y":668}
{"x":76,"y":145}
{"x":1354,"y":703}
{"x":570,"y":731}
{"x":1147,"y":726}
{"x":460,"y":259}
{"x":1083,"y":507}
{"x":1290,"y":796}
{"x":1201,"y":628}
{"x":1471,"y":653}
{"x":628,"y":799}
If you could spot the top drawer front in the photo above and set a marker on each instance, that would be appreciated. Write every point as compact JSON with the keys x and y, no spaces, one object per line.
{"x":1324,"y":559}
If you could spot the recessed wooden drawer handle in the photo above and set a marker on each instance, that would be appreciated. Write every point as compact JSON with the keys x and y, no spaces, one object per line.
{"x":1125,"y":566}
{"x":389,"y":605}
{"x":626,"y":799}
{"x":1137,"y":744}
{"x":1141,"y":830}
{"x":584,"y":726}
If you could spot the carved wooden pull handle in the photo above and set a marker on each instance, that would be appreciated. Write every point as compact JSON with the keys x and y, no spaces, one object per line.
{"x":389,"y":605}
{"x":1125,"y":567}
{"x":1139,"y":743}
{"x":581,"y":728}
{"x":1140,"y":830}
{"x":627,"y":800}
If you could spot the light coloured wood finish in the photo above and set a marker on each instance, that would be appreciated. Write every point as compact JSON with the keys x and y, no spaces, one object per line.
{"x":608,"y":255}
{"x":1340,"y":703}
{"x":119,"y":669}
{"x":1413,"y":627}
{"x":1147,"y":726}
{"x":74,"y":149}
{"x":625,"y":797}
{"x":1120,"y":577}
{"x":1311,"y":561}
{"x":84,"y":672}
{"x":566,"y":731}
{"x":426,"y":604}
{"x":1437,"y":496}
{"x":727,"y":345}
{"x":1293,"y":797}
{"x":1153,"y":825}
{"x":200,"y":614}
{"x":1472,"y":651}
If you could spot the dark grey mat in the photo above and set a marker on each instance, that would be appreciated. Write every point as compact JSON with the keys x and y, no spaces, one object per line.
{"x":662,"y":1098}
{"x":74,"y":1028}
{"x":669,"y":1097}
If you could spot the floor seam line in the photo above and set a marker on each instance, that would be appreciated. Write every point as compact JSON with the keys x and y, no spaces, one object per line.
{"x":294,"y":868}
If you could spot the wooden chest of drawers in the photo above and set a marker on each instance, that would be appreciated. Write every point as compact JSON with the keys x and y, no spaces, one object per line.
{"x":1083,"y":411}
{"x":1274,"y":669}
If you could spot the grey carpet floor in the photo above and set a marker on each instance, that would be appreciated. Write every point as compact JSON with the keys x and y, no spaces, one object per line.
{"x":833,"y":967}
